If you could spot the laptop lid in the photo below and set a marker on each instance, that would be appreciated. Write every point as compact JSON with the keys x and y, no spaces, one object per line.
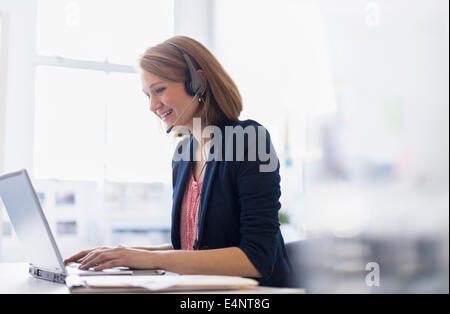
{"x":29,"y":222}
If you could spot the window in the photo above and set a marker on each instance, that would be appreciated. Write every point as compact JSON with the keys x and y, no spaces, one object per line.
{"x":101,"y":30}
{"x":69,"y":123}
{"x":137,"y":147}
{"x":91,"y":118}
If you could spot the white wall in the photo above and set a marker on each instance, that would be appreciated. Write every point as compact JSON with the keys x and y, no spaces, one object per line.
{"x":194,"y":18}
{"x":394,"y":64}
{"x":387,"y":64}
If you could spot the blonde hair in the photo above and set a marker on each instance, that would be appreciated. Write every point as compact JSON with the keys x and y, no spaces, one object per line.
{"x":221,"y":99}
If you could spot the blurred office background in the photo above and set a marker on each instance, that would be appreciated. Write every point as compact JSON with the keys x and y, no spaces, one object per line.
{"x":353,"y":92}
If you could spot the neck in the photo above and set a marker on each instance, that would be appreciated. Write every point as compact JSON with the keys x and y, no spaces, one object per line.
{"x":196,"y":127}
{"x":200,"y":143}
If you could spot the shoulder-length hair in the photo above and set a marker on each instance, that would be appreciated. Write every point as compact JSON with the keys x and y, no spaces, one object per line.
{"x":222,"y":100}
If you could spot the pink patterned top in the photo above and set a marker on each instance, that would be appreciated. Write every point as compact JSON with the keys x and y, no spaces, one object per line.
{"x":189,"y":214}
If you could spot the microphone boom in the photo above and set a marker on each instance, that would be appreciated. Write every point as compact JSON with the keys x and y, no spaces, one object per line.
{"x":179,"y":117}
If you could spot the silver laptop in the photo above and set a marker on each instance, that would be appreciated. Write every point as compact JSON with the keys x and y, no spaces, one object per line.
{"x":35,"y":236}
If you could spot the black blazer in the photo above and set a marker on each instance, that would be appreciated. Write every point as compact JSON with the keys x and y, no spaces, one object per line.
{"x":239,"y":204}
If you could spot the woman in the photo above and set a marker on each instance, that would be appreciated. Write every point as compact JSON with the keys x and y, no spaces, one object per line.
{"x":225,"y":210}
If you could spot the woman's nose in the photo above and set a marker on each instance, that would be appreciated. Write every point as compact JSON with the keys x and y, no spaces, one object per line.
{"x":155,"y":104}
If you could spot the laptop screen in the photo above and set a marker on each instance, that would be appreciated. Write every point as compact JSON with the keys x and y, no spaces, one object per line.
{"x":29,"y":222}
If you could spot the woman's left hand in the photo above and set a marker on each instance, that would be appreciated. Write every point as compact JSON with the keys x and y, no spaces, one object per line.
{"x":103,"y":258}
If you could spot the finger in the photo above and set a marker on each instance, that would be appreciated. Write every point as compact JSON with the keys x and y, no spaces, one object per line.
{"x":76,"y":257}
{"x":92,"y":255}
{"x":87,"y":256}
{"x":97,"y":260}
{"x":92,"y":252}
{"x":108,"y":264}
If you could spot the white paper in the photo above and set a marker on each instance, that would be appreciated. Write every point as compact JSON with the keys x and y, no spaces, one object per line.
{"x":155,"y":283}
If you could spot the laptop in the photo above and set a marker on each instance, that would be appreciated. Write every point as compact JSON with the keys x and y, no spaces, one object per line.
{"x":34,"y":234}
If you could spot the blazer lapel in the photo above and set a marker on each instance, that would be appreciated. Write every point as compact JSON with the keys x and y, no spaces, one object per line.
{"x":179,"y":188}
{"x":207,"y":184}
{"x":208,"y":181}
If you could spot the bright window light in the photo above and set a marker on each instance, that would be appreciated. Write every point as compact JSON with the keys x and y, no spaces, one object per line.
{"x":138,"y":149}
{"x":104,"y":128}
{"x":92,"y":122}
{"x":69,"y":123}
{"x":102,"y":29}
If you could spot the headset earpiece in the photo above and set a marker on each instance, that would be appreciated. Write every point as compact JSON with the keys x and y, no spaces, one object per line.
{"x":194,"y":83}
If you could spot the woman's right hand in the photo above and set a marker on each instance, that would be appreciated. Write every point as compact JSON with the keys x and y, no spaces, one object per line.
{"x":78,"y":258}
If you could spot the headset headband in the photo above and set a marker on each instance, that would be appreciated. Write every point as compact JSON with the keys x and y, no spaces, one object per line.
{"x":194,"y":83}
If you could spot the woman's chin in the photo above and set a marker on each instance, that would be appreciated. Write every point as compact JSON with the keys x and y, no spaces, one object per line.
{"x":167,"y":122}
{"x":166,"y":125}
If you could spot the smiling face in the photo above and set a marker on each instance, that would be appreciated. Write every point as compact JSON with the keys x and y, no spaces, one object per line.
{"x":168,"y":100}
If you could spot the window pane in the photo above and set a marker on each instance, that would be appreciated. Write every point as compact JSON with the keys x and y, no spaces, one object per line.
{"x":90,"y":125}
{"x":69,"y":124}
{"x":138,"y":150}
{"x":102,"y":29}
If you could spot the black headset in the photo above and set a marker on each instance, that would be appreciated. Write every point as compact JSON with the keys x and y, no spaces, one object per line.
{"x":194,"y":84}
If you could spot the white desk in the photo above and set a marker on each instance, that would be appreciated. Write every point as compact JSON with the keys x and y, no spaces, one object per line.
{"x":14,"y":278}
